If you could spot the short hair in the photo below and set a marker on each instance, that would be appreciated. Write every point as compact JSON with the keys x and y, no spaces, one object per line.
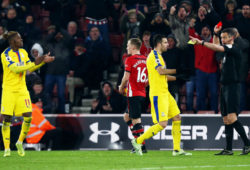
{"x":136,"y":42}
{"x":10,"y":35}
{"x":230,"y":31}
{"x":158,"y":39}
{"x":146,"y":33}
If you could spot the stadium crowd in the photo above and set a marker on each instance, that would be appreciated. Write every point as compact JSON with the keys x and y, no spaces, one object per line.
{"x":88,"y":39}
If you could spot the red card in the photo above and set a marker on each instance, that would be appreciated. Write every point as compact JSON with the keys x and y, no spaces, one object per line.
{"x":219,"y":24}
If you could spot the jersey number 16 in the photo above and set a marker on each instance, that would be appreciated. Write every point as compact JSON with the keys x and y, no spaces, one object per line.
{"x":141,"y":75}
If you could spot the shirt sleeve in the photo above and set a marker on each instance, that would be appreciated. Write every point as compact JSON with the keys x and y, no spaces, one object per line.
{"x":128,"y":65}
{"x":157,"y":60}
{"x":231,"y":49}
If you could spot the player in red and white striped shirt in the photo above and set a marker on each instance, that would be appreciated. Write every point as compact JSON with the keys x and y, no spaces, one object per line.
{"x":135,"y":78}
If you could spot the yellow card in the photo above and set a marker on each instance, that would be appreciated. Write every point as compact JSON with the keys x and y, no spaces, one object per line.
{"x":191,"y":42}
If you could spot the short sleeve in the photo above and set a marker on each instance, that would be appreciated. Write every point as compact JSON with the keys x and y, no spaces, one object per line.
{"x":26,"y":56}
{"x":231,"y":49}
{"x":157,"y":62}
{"x":6,"y":58}
{"x":128,"y":64}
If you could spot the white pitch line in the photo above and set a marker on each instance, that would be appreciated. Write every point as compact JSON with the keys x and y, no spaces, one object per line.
{"x":187,"y":167}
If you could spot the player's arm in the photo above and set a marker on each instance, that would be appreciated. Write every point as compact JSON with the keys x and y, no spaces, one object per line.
{"x":17,"y":68}
{"x":163,"y":71}
{"x":171,"y":78}
{"x":124,"y":82}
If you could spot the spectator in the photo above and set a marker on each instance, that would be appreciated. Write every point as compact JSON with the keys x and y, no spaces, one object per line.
{"x":61,"y":11}
{"x":77,"y":71}
{"x":130,"y":26}
{"x":206,"y":16}
{"x":206,"y":71}
{"x":40,"y":97}
{"x":42,"y":131}
{"x":32,"y":34}
{"x":179,"y":24}
{"x":244,"y":47}
{"x":108,"y":100}
{"x":159,"y":25}
{"x":145,"y":47}
{"x":12,"y":22}
{"x":230,"y":13}
{"x":3,"y":42}
{"x":242,"y":23}
{"x":172,"y":58}
{"x":97,"y":13}
{"x":58,"y":43}
{"x":96,"y":58}
{"x":37,"y":50}
{"x":74,"y":32}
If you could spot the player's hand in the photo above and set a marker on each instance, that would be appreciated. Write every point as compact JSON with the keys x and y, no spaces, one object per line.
{"x":48,"y":58}
{"x":120,"y":89}
{"x":195,"y":40}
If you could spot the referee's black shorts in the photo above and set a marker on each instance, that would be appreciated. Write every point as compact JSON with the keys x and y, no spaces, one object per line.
{"x":135,"y":106}
{"x":230,"y":99}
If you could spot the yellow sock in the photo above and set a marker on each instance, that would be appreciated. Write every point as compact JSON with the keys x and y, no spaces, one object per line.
{"x":6,"y":134}
{"x":25,"y":128}
{"x":176,"y":133}
{"x":153,"y":130}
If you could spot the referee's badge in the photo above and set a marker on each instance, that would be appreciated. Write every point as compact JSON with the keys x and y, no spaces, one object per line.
{"x":224,"y":60}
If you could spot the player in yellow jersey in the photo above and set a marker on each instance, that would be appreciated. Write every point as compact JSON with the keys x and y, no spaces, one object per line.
{"x":15,"y":96}
{"x":163,"y":105}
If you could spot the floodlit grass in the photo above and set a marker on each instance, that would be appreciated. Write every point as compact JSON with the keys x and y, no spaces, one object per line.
{"x":121,"y":160}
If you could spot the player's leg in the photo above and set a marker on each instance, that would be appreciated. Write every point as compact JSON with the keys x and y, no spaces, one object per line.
{"x":24,"y":131}
{"x":23,"y":108}
{"x":135,"y":109}
{"x":6,"y":134}
{"x":7,"y":108}
{"x":157,"y":106}
{"x":174,"y":114}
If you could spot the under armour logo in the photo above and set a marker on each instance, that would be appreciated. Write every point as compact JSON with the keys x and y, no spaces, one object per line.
{"x":94,"y":128}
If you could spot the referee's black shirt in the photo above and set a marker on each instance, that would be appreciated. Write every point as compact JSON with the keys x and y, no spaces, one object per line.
{"x":230,"y":71}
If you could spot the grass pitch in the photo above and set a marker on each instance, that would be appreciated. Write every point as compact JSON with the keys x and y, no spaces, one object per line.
{"x":121,"y":160}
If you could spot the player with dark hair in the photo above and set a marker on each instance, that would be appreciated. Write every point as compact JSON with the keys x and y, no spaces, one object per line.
{"x":163,"y":105}
{"x":230,"y":85}
{"x":15,"y":96}
{"x":135,"y":79}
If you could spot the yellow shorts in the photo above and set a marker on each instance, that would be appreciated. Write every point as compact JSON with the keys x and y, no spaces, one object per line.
{"x":163,"y":107}
{"x":15,"y":103}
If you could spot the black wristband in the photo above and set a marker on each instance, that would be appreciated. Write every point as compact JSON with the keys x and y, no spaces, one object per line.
{"x":202,"y":43}
{"x":216,"y":34}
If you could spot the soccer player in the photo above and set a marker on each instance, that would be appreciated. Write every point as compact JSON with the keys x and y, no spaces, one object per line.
{"x":230,"y":85}
{"x":163,"y":105}
{"x":135,"y":79}
{"x":15,"y":96}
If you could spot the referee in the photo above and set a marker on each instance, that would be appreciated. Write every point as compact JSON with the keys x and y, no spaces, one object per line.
{"x":230,"y":85}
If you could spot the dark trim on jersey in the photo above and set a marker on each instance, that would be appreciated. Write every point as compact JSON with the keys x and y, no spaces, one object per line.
{"x":140,"y":58}
{"x":28,"y":61}
{"x":6,"y":55}
{"x":157,"y":59}
{"x":155,"y":99}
